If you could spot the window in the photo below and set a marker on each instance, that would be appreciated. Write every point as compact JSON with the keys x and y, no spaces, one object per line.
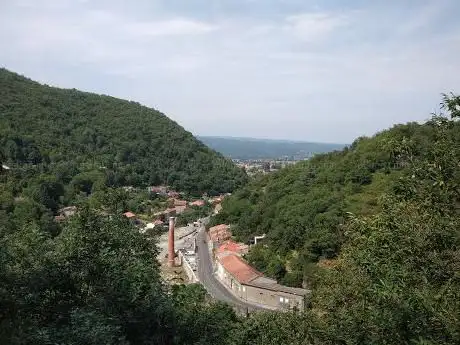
{"x":244,"y":289}
{"x":286,"y":300}
{"x":281,"y":300}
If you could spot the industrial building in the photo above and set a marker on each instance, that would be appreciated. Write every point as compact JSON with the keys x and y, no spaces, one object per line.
{"x":252,"y":286}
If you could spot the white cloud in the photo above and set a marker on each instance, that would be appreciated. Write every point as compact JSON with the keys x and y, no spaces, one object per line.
{"x":425,"y":16}
{"x":175,"y":26}
{"x":314,"y":26}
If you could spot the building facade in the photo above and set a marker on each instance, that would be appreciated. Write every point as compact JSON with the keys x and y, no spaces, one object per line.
{"x":250,"y":285}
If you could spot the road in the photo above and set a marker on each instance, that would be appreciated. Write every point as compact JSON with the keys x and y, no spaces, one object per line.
{"x":210,"y":282}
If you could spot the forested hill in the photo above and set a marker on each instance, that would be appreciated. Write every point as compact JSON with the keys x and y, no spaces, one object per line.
{"x":385,"y":211}
{"x":250,"y":148}
{"x":302,"y":208}
{"x":104,"y":140}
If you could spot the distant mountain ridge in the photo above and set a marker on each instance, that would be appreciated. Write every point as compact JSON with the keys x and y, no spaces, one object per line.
{"x":254,"y":148}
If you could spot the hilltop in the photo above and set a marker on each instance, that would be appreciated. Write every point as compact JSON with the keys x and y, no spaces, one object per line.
{"x":104,"y":140}
{"x":251,"y":148}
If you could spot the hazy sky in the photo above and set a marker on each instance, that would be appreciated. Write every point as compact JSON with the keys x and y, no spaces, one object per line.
{"x":328,"y":70}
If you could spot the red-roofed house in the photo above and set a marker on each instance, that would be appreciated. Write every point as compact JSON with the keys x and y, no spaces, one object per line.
{"x":173,"y":194}
{"x":250,"y":285}
{"x":230,"y":247}
{"x":198,"y":203}
{"x":217,"y":200}
{"x":178,"y":202}
{"x":129,"y":215}
{"x":158,"y":190}
{"x":219,"y":233}
{"x":236,"y":271}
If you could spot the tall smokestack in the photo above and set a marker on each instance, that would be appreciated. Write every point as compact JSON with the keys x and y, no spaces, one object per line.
{"x":171,"y":252}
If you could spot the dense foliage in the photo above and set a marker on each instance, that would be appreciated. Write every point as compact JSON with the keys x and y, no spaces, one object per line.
{"x":249,"y":148}
{"x":386,"y":209}
{"x":96,"y":282}
{"x":88,"y":140}
{"x":397,"y":281}
{"x":302,"y":208}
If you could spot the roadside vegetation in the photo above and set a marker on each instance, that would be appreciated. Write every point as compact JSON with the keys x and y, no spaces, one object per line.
{"x":392,"y":235}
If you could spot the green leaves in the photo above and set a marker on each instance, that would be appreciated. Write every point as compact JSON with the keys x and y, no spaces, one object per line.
{"x":451,"y":103}
{"x":199,"y":320}
{"x":131,"y":144}
{"x":397,"y":282}
{"x":274,"y":328}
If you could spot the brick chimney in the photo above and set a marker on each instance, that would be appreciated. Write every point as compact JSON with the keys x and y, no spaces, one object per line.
{"x":171,"y":252}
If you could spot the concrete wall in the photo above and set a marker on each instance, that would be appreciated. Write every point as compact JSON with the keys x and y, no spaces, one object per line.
{"x":187,"y":266}
{"x":273,"y":299}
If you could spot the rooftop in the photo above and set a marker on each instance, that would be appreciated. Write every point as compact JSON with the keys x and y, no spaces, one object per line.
{"x":220,"y":233}
{"x":261,"y":283}
{"x":198,"y":203}
{"x":233,"y":247}
{"x":220,"y":227}
{"x":179,"y":202}
{"x":247,"y":275}
{"x":239,"y":269}
{"x":129,"y":215}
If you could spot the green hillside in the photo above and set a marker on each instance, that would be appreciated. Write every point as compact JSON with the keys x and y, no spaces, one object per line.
{"x":303,"y":208}
{"x":86,"y":139}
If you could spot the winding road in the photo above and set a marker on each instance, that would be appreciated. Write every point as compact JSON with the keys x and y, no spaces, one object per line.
{"x":209,"y":280}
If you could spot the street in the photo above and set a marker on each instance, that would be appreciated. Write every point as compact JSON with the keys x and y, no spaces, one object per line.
{"x":210,"y":282}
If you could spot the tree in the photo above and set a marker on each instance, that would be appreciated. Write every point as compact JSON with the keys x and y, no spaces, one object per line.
{"x":98,"y":280}
{"x":46,"y":191}
{"x":397,"y":277}
{"x":199,"y":320}
{"x":266,"y":166}
{"x":274,"y":328}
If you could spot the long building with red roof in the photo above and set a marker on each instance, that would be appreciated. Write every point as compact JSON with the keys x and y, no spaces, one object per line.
{"x":231,"y":247}
{"x":252,"y":286}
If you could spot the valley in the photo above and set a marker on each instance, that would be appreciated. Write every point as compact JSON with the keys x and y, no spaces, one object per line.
{"x":117,"y":226}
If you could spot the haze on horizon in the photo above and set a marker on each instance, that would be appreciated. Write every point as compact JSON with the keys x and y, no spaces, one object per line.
{"x":281,"y":69}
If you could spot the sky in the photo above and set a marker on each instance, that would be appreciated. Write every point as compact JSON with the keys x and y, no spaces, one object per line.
{"x":325,"y":71}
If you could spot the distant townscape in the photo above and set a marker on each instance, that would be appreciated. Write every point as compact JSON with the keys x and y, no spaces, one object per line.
{"x":262,"y":156}
{"x":251,"y":149}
